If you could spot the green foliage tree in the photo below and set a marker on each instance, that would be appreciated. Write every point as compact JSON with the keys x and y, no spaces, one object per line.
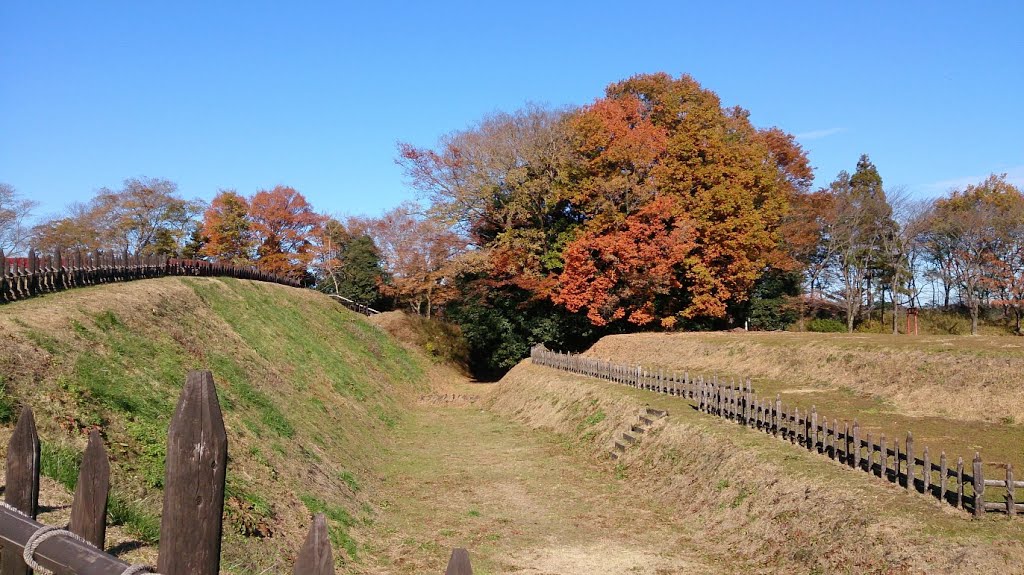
{"x":361,"y":273}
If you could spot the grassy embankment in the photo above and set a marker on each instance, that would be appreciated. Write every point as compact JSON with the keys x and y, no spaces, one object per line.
{"x":758,"y":504}
{"x":960,"y":394}
{"x":308,"y":390}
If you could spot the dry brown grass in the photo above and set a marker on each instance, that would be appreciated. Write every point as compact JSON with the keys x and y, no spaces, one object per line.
{"x":953,"y":377}
{"x":960,"y":395}
{"x":774,"y":506}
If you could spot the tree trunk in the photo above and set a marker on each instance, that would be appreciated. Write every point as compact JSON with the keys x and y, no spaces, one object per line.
{"x":895,"y":315}
{"x":974,"y":316}
{"x":849,"y":317}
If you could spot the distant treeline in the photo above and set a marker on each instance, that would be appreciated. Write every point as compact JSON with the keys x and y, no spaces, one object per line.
{"x":653,"y":207}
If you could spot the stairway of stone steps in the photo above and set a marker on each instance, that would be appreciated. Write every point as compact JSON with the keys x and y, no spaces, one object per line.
{"x":645,"y":420}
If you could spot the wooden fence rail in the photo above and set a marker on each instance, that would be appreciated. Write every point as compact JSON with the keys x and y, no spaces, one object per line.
{"x":22,"y":278}
{"x":634,"y":375}
{"x":193,"y":506}
{"x":809,"y":429}
{"x":354,"y":305}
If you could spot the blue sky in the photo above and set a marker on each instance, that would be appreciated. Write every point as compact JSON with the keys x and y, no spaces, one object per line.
{"x":315,"y":95}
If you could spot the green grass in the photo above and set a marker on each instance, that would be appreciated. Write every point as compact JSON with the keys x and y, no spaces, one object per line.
{"x":8,"y":405}
{"x":349,"y":480}
{"x":62,"y":465}
{"x":308,"y":391}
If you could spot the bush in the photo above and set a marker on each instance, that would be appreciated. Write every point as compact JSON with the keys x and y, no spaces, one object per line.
{"x":822,"y":325}
{"x":441,"y":340}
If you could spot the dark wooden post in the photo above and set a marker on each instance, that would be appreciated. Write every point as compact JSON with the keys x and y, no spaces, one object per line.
{"x":943,"y":471}
{"x":190,"y":529}
{"x":911,"y":462}
{"x":979,"y":487}
{"x":926,"y":476}
{"x":796,"y":426}
{"x":315,"y":556}
{"x":884,"y":468}
{"x":89,"y":511}
{"x":459,"y":563}
{"x":856,"y":444}
{"x":22,"y":487}
{"x":847,"y":459}
{"x":1011,"y":507}
{"x":870,"y":465}
{"x":33,"y":273}
{"x":776,"y":416}
{"x":960,"y":482}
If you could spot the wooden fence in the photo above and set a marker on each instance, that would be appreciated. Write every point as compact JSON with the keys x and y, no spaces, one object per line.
{"x":354,"y":305}
{"x":22,"y":278}
{"x":942,"y":479}
{"x":193,"y":505}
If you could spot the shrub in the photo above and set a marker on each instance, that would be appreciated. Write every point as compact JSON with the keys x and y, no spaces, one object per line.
{"x":823,"y":325}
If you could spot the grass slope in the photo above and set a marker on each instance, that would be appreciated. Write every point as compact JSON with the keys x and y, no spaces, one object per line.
{"x":757,"y":501}
{"x":309,"y":391}
{"x":960,"y":394}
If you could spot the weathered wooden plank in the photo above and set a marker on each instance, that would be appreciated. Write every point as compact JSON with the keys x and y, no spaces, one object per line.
{"x":871,"y":454}
{"x":89,"y":510}
{"x":960,"y":482}
{"x":22,"y":481}
{"x":979,"y":486}
{"x":911,"y":463}
{"x":1011,"y":507}
{"x":315,"y":557}
{"x":776,"y":415}
{"x":847,"y":460}
{"x":62,"y":555}
{"x":926,"y":477}
{"x":458,"y":564}
{"x":943,"y":472}
{"x":190,"y":529}
{"x":856,"y":444}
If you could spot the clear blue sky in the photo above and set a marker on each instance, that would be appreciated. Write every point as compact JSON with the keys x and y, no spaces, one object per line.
{"x":248,"y":95}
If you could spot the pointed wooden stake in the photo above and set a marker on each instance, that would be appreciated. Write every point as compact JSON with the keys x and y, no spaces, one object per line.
{"x":22,"y":487}
{"x":459,"y":563}
{"x":89,"y":511}
{"x":197,"y":454}
{"x":315,"y":556}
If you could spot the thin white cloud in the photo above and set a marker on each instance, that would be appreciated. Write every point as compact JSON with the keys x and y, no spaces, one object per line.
{"x":1014,"y":175}
{"x":818,"y":134}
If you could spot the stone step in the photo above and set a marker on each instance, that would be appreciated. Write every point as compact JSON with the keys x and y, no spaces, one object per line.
{"x":637,"y":429}
{"x":620,"y":446}
{"x":629,"y":438}
{"x":656,"y":412}
{"x":613,"y":454}
{"x":646,"y":420}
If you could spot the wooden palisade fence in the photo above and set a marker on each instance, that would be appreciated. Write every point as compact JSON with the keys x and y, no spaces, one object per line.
{"x":193,"y":505}
{"x":941,"y":478}
{"x":22,"y":278}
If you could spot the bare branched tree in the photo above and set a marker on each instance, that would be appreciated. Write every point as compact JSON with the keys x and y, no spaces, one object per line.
{"x":14,"y":213}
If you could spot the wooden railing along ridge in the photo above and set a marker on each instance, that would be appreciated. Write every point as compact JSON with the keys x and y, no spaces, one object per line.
{"x":942,"y":480}
{"x":22,"y":278}
{"x":353,"y":305}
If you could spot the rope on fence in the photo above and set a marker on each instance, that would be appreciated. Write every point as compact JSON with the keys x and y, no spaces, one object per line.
{"x":43,"y":533}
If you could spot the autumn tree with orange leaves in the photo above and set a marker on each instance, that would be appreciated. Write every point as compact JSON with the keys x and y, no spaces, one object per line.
{"x":283,"y":223}
{"x":654,"y":205}
{"x":227,"y":229}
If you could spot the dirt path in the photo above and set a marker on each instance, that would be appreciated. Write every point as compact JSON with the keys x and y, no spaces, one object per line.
{"x":521,"y":502}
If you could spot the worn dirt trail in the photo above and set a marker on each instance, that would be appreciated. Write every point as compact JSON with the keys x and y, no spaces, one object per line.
{"x":520,"y":500}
